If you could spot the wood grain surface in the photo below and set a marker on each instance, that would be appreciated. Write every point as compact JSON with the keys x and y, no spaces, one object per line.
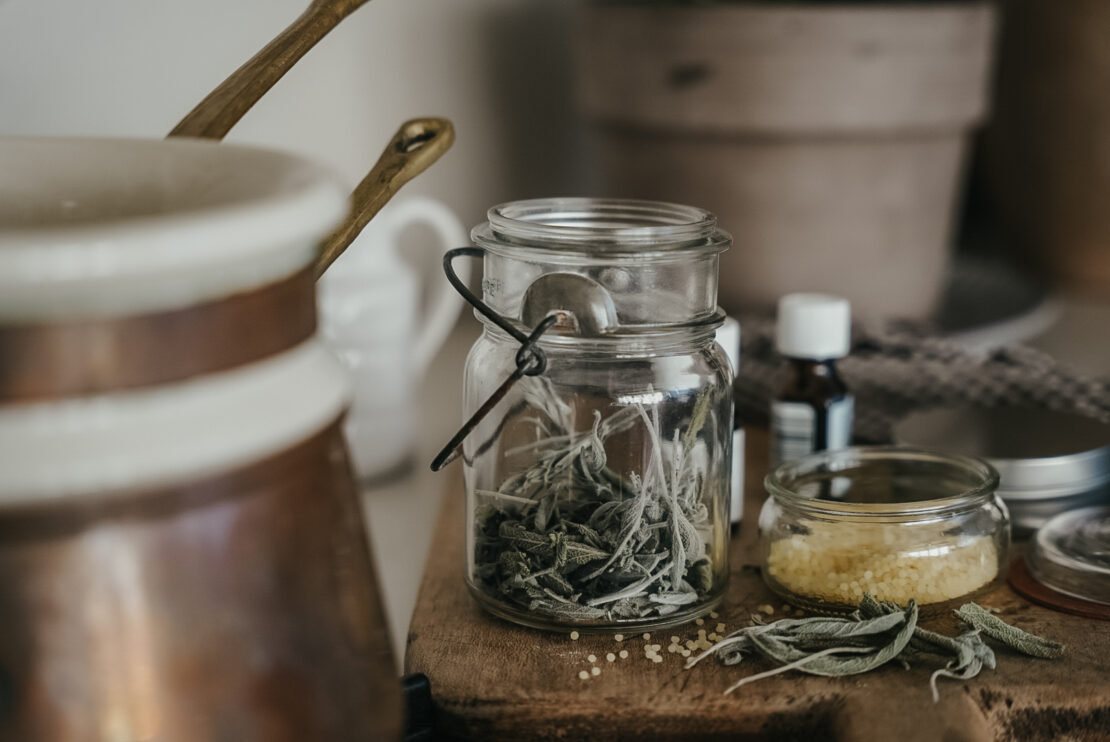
{"x":491,"y":680}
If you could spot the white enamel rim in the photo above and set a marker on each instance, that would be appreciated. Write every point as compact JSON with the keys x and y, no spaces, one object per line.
{"x":95,"y":227}
{"x":137,"y":439}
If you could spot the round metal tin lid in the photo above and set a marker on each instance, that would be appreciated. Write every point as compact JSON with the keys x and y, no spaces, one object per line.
{"x":1038,"y":453}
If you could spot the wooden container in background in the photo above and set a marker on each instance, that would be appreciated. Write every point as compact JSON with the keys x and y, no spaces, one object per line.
{"x":830,"y":141}
{"x":1047,"y":152}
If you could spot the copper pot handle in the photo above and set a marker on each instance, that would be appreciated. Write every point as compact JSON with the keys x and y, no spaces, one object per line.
{"x":415,"y":146}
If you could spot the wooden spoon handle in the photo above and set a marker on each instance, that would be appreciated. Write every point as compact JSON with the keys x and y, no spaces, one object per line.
{"x":415,"y":146}
{"x":214,"y":116}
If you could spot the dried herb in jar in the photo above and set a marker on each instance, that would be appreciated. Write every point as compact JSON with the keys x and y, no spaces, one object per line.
{"x":570,"y":538}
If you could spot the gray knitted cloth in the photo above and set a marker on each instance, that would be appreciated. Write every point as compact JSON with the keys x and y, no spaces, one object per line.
{"x":894,"y":370}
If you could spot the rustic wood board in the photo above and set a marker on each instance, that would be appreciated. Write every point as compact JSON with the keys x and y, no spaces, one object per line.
{"x":492,"y":680}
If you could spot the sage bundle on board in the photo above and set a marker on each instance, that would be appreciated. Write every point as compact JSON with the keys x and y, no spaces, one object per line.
{"x":877,"y":633}
{"x":570,"y":538}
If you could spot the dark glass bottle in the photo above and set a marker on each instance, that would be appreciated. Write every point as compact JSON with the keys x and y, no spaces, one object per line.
{"x":813,"y":409}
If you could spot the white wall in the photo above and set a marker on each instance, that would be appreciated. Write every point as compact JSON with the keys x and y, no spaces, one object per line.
{"x":500,"y":69}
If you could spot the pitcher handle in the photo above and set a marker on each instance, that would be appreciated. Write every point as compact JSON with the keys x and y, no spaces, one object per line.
{"x":443,"y":304}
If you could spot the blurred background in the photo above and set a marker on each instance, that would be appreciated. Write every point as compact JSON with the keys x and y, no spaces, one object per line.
{"x":946,"y":163}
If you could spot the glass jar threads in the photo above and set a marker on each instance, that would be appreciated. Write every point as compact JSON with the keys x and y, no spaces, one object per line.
{"x":896,"y":523}
{"x":597,"y":484}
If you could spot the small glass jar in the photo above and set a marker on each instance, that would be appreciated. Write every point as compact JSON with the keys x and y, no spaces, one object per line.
{"x":896,"y":523}
{"x":598,"y":490}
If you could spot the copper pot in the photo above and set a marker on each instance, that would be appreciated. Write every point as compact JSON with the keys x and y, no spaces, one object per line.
{"x":182,"y":555}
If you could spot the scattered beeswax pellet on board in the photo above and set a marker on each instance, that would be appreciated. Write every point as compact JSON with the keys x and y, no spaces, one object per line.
{"x":595,"y":671}
{"x":584,"y":675}
{"x":610,"y":657}
{"x":574,"y":636}
{"x":624,"y":654}
{"x":619,"y":637}
{"x":592,"y":658}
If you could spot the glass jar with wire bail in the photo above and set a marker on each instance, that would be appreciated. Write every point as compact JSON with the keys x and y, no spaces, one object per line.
{"x":597,"y":453}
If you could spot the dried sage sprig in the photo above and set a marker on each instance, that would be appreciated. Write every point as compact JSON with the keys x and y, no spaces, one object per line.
{"x":877,"y":633}
{"x":831,"y":646}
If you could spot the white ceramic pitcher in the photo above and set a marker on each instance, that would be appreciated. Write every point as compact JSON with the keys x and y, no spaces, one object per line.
{"x":370,"y":304}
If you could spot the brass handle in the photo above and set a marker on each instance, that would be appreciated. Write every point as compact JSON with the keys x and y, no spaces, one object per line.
{"x":415,"y":146}
{"x":214,"y":116}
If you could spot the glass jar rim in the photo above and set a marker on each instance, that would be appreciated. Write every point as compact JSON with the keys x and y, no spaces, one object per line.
{"x":605,"y":227}
{"x":841,"y":461}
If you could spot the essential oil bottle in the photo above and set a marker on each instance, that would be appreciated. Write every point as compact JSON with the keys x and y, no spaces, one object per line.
{"x":813,"y":409}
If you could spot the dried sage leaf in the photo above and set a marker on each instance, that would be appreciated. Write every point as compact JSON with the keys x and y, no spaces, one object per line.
{"x":1035,"y":646}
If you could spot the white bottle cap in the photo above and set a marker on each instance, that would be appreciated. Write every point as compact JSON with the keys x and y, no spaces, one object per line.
{"x":814,"y":326}
{"x":728,"y":336}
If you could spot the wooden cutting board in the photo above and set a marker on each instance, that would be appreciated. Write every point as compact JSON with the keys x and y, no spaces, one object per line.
{"x":492,"y":680}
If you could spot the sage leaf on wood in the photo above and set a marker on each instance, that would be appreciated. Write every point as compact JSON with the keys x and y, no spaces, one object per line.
{"x":1035,"y":646}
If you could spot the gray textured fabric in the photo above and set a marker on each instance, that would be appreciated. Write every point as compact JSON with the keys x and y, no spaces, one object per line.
{"x":898,"y":369}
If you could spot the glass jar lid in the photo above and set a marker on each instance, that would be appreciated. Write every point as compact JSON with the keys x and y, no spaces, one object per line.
{"x":1071,"y":554}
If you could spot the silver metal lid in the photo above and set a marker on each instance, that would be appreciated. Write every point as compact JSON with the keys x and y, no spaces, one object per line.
{"x":1039,"y":454}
